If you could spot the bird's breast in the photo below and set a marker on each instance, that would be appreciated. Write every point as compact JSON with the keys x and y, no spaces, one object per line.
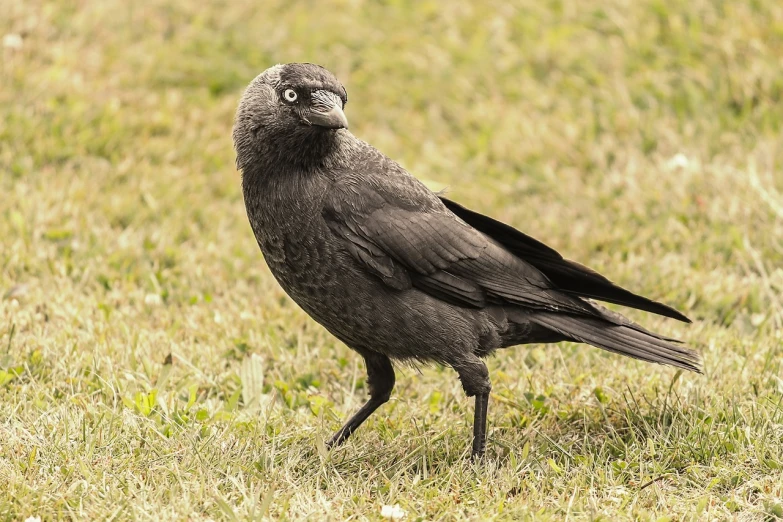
{"x":300,"y":251}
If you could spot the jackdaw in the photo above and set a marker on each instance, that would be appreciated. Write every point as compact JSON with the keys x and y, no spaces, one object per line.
{"x":397,"y":272}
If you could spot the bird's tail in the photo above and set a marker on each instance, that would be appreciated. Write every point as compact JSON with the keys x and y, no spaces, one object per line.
{"x":619,"y":338}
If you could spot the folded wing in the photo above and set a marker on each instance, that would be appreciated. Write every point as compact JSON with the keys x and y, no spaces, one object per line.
{"x":425,"y":246}
{"x":568,"y":276}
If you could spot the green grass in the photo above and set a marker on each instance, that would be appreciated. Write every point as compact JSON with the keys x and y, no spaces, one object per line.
{"x":150,"y":366}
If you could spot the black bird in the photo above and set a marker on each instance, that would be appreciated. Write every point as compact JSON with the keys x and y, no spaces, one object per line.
{"x":397,"y":272}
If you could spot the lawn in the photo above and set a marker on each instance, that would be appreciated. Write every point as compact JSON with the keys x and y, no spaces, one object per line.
{"x":151,"y":368}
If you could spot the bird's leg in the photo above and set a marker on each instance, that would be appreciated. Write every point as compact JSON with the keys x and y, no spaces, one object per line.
{"x":380,"y":379}
{"x":475,"y":381}
{"x":480,"y":425}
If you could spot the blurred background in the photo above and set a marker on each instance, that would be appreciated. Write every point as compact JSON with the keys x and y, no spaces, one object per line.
{"x":642,"y":138}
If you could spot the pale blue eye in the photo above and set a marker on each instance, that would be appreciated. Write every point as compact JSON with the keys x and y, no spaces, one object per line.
{"x":290,"y":95}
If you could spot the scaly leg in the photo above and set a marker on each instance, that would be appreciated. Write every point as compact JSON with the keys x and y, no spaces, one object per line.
{"x":380,"y":379}
{"x":475,"y":381}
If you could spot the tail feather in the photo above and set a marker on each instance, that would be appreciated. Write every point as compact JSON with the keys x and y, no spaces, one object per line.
{"x":619,"y":319}
{"x":623,"y":339}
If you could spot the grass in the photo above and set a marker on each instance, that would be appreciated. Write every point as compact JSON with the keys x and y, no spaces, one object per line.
{"x":150,"y":366}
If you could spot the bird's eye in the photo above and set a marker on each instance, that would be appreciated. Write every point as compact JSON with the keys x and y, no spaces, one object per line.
{"x":290,"y":95}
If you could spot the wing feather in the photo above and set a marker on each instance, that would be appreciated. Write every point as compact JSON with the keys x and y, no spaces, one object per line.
{"x":568,"y":276}
{"x":439,"y":253}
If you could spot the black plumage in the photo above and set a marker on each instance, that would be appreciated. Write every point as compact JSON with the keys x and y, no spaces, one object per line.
{"x":397,"y":272}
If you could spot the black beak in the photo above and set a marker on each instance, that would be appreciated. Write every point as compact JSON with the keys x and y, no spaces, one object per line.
{"x":327,"y":111}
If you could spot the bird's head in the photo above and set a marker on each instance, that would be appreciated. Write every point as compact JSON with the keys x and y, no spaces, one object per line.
{"x":290,"y":112}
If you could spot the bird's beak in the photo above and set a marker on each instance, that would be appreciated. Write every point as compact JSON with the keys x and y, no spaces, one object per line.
{"x":327,"y":111}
